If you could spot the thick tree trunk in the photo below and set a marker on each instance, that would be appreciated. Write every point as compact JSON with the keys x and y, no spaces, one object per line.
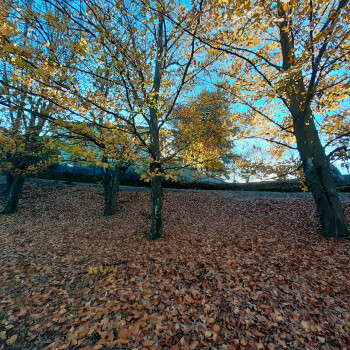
{"x":14,"y":193}
{"x":312,"y":153}
{"x":157,"y":203}
{"x":9,"y":181}
{"x":111,"y":180}
{"x":319,"y":178}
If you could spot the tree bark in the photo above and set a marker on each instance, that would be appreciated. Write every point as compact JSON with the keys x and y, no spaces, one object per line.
{"x":157,"y":203}
{"x":9,"y":181}
{"x":312,"y":153}
{"x":319,"y":178}
{"x":14,"y":194}
{"x":111,"y":181}
{"x":156,"y":166}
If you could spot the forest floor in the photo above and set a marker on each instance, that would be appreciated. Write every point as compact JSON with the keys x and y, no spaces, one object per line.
{"x":235,"y":270}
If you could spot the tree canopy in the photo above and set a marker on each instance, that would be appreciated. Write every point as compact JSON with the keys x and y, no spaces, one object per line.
{"x":121,"y":73}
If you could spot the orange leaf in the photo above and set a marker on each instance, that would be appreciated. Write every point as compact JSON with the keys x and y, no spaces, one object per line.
{"x":123,"y":334}
{"x":216,"y":328}
{"x":148,"y":342}
{"x":122,"y":342}
{"x":244,"y":342}
{"x":259,"y":334}
{"x":189,"y":299}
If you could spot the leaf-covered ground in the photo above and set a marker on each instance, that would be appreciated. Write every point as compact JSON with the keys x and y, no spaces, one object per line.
{"x":235,"y":271}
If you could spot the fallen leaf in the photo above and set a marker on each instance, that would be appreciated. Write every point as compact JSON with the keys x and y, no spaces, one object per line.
{"x":122,"y":341}
{"x":123,"y":334}
{"x":194,"y":345}
{"x":244,"y":342}
{"x":321,"y":340}
{"x":205,"y":283}
{"x":12,"y":340}
{"x":189,"y":299}
{"x":216,"y":328}
{"x":148,"y":342}
{"x":304,"y":324}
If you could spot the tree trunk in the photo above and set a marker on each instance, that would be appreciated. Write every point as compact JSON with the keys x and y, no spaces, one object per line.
{"x":14,"y":193}
{"x":312,"y":153}
{"x":319,"y":178}
{"x":111,"y":180}
{"x":157,"y":203}
{"x":9,"y":181}
{"x":156,"y":166}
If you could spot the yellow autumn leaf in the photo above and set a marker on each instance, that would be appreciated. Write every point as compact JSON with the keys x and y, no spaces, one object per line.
{"x":93,"y":270}
{"x":207,"y":334}
{"x":279,"y":318}
{"x":194,"y":345}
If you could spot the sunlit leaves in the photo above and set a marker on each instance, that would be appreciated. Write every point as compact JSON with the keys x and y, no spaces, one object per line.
{"x":203,"y":131}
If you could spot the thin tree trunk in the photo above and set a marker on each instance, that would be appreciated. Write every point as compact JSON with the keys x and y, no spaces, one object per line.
{"x":319,"y":178}
{"x":157,"y":203}
{"x":14,"y":193}
{"x":111,"y":181}
{"x":156,"y":166}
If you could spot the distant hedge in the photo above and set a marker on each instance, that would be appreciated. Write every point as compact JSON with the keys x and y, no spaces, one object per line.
{"x":272,"y":186}
{"x":283,"y":186}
